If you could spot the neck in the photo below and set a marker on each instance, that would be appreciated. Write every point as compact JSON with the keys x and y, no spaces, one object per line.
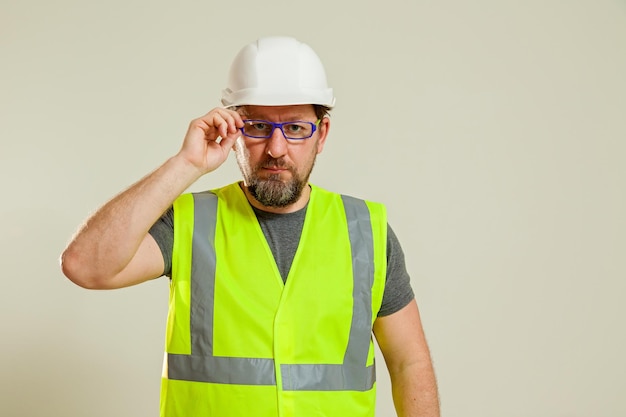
{"x":299,"y":204}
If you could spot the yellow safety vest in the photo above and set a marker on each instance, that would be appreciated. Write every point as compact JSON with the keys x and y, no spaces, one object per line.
{"x":241,"y":343}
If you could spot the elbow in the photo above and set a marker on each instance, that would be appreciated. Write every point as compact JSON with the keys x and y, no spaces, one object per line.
{"x":78,"y":270}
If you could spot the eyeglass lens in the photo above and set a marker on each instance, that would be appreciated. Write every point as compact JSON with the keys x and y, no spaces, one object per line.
{"x":291,"y":130}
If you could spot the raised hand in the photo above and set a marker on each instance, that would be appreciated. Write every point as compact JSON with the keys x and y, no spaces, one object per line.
{"x":210,"y":138}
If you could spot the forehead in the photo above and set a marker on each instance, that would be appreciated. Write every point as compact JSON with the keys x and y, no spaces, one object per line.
{"x":295,"y":112}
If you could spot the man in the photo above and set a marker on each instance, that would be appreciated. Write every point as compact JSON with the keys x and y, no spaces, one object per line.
{"x":276,"y":285}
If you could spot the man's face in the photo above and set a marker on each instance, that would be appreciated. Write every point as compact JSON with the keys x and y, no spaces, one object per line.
{"x":276,"y":170}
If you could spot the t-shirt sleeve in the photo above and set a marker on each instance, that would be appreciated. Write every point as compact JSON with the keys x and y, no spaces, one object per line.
{"x":398,"y":292}
{"x":163,"y":233}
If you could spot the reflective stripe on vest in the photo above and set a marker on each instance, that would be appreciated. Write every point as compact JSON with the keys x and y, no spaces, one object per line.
{"x":203,"y":366}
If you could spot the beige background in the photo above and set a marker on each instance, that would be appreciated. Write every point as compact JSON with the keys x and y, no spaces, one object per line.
{"x":493,"y":130}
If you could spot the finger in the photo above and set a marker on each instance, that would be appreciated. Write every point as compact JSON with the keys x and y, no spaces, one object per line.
{"x":201,"y":127}
{"x":218,"y":122}
{"x":233,"y":119}
{"x":229,"y":141}
{"x":238,"y":121}
{"x":224,"y":121}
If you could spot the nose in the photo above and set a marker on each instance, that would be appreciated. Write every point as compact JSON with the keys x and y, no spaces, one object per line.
{"x":276,"y":145}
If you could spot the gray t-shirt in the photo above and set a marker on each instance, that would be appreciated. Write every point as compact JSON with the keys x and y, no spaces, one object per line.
{"x":282,"y":232}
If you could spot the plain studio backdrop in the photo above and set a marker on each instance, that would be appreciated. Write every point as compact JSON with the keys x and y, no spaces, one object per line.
{"x":493,"y":130}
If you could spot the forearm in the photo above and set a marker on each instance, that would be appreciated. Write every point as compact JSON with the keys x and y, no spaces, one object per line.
{"x":108,"y":240}
{"x":403,"y":345}
{"x":414,"y":390}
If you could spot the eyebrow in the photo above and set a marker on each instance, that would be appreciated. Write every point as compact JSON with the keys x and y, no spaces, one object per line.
{"x":288,"y":117}
{"x":244,"y":112}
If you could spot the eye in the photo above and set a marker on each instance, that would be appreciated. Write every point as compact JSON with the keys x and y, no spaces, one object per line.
{"x":294,"y":128}
{"x":257,"y":128}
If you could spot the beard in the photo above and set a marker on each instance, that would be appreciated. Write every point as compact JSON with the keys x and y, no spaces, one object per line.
{"x":272,"y":191}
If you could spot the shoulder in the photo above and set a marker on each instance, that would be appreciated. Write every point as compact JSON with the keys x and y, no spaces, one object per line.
{"x":345,"y":197}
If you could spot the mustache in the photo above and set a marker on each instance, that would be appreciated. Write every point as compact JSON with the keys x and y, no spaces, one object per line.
{"x":270,"y":162}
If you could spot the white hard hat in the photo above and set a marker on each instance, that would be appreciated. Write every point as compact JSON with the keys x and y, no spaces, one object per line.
{"x":277,"y":71}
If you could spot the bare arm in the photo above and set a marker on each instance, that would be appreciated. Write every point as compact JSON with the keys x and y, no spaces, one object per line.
{"x":113,"y":249}
{"x":402,"y":342}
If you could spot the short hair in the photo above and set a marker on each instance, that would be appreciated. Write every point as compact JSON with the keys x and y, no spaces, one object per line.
{"x":321,"y":111}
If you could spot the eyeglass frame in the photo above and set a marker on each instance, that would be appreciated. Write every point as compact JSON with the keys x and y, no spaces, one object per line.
{"x":280,"y":127}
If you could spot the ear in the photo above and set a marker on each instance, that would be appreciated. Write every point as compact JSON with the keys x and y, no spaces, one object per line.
{"x":323,"y":129}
